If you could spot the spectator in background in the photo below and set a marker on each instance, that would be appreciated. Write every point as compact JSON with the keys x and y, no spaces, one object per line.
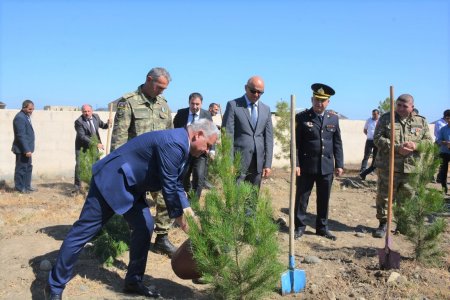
{"x":86,"y":126}
{"x":443,"y":141}
{"x":197,"y":165}
{"x":437,"y":126}
{"x":369,"y":148}
{"x":214,"y":109}
{"x":248,"y":123}
{"x":23,"y":148}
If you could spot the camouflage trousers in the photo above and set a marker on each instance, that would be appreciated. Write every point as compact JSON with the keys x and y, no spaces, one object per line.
{"x":401,"y":189}
{"x":162,"y":220}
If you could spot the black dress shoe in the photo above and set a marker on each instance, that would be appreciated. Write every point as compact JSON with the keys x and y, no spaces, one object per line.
{"x":199,"y":281}
{"x":140,"y":289}
{"x":48,"y":295}
{"x":163,"y":245}
{"x":22,"y":191}
{"x":327,"y":234}
{"x":298,"y":233}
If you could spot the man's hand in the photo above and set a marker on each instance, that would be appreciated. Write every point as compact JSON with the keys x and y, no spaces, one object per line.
{"x":182,"y":221}
{"x":100,"y":147}
{"x":28,"y":154}
{"x":339,"y":172}
{"x":266,"y":172}
{"x":407,"y":148}
{"x":298,"y":172}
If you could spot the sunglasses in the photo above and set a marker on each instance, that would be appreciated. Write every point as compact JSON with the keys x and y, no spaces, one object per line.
{"x":254,"y":91}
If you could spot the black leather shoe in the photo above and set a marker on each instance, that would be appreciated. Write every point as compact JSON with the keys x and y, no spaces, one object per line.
{"x":163,"y":245}
{"x":380,"y":231}
{"x":140,"y":289}
{"x":298,"y":233}
{"x":327,"y":234}
{"x":48,"y":295}
{"x":22,"y":191}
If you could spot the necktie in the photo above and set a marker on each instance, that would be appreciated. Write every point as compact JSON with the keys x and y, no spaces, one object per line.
{"x":193,"y":118}
{"x":91,"y":127}
{"x":254,"y":115}
{"x":320,"y":118}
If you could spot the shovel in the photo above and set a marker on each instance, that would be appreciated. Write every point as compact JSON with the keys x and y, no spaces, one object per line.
{"x":293,"y":280}
{"x":390,"y":259}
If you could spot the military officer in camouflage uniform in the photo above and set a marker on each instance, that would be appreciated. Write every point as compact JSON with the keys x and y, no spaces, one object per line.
{"x":143,"y":111}
{"x":410,"y":130}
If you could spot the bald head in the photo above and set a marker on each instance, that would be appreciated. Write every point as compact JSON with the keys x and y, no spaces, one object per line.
{"x":254,"y":88}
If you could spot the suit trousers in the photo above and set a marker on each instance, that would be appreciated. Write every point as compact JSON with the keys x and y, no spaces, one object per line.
{"x":369,"y":148}
{"x":197,"y":167}
{"x":95,"y":213}
{"x":22,"y":172}
{"x":305,"y":183}
{"x":252,"y":174}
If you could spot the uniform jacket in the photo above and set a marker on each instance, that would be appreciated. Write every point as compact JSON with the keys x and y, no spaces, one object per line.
{"x":136,"y":114}
{"x":247,"y":139}
{"x":152,"y":162}
{"x":319,"y":146}
{"x":84,"y":133}
{"x":23,"y":134}
{"x":411,"y":129}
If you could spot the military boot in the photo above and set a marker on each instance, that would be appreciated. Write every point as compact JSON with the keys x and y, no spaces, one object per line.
{"x":163,"y":245}
{"x":380,"y":231}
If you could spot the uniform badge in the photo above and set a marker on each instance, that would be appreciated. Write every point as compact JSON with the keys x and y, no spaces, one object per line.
{"x":416,"y":130}
{"x":163,"y":109}
{"x":121,"y":105}
{"x":309,"y":124}
{"x":330,"y":126}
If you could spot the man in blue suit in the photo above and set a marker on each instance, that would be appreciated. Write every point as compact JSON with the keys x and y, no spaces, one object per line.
{"x":197,"y":165}
{"x":23,"y":147}
{"x":153,"y":161}
{"x":248,"y":123}
{"x":319,"y":156}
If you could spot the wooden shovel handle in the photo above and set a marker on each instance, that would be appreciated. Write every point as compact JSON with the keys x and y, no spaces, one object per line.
{"x":391,"y":169}
{"x":293,"y":179}
{"x":108,"y":137}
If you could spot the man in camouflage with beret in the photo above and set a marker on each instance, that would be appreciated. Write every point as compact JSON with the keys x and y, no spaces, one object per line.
{"x":142,"y":111}
{"x":410,"y":130}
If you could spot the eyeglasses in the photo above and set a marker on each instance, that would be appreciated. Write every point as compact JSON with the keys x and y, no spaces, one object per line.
{"x":254,"y":91}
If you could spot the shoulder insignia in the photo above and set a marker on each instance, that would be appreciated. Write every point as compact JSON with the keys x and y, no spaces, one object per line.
{"x":121,"y":105}
{"x":160,"y":97}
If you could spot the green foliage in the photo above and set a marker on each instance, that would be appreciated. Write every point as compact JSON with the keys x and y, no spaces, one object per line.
{"x":412,"y":212}
{"x":235,"y":246}
{"x":282,"y":127}
{"x":384,"y":106}
{"x":112,"y":241}
{"x":87,"y":158}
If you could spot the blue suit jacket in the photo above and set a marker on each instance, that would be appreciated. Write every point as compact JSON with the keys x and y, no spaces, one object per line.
{"x":23,"y":134}
{"x":319,"y":146}
{"x":152,"y":161}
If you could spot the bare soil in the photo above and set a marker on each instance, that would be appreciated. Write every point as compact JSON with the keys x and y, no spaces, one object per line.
{"x":33,"y":226}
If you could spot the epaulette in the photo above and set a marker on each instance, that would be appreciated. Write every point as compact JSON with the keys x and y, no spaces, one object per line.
{"x":128,"y":95}
{"x":161,"y":97}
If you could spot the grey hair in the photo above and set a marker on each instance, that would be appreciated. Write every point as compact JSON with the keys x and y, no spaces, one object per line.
{"x":205,"y":125}
{"x":406,"y":98}
{"x":158,"y":72}
{"x":88,"y":105}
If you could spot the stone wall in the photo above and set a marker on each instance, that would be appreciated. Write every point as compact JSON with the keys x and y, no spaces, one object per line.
{"x":54,"y":156}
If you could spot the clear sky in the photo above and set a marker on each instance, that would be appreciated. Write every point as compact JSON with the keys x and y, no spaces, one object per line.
{"x":74,"y":52}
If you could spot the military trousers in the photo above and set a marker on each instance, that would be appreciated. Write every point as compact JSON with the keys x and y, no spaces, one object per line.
{"x":401,"y":189}
{"x":162,"y":220}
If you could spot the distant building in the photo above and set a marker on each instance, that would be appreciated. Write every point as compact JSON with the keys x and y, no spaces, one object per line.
{"x":2,"y":105}
{"x":61,"y":108}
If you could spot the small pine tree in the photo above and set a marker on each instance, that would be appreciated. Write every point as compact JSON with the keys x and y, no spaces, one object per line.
{"x":384,"y":106}
{"x":235,"y":246}
{"x":428,"y":201}
{"x":281,"y":131}
{"x":87,"y":158}
{"x":113,"y":239}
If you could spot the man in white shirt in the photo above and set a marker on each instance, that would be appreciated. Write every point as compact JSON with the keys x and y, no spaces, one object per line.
{"x":370,"y":148}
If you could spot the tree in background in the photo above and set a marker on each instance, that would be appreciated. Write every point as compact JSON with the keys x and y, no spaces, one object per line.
{"x":114,"y":238}
{"x":281,"y":131}
{"x":426,"y":203}
{"x":384,"y":106}
{"x":235,"y":245}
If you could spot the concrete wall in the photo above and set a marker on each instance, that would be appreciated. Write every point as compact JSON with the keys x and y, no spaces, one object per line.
{"x":54,"y":156}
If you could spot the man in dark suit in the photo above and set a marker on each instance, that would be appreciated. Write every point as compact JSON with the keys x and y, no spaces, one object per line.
{"x":248,"y":123}
{"x":319,"y":155}
{"x":86,"y":126}
{"x":197,"y":165}
{"x":152,"y":161}
{"x":23,"y":148}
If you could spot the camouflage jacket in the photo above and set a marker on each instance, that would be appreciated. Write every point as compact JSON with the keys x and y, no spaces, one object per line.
{"x":136,"y":114}
{"x":411,"y":129}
